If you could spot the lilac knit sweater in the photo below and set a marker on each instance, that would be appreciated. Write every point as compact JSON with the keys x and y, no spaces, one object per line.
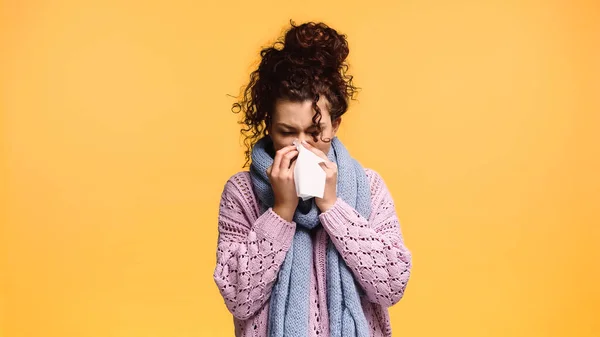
{"x":252,"y":247}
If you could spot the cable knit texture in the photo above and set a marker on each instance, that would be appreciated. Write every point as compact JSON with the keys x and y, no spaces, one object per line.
{"x":252,"y":247}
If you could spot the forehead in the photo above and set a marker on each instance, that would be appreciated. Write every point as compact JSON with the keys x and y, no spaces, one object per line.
{"x":299,"y":113}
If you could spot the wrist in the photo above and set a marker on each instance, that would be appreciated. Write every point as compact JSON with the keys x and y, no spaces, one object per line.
{"x":326,"y":205}
{"x":285,"y":212}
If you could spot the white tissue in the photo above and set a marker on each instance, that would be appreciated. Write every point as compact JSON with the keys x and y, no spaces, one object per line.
{"x":308,"y":174}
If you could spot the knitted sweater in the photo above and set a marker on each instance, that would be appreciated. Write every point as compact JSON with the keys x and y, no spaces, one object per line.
{"x":252,"y":247}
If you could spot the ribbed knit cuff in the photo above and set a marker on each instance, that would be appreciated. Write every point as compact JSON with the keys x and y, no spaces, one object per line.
{"x":338,"y":217}
{"x":274,"y":228}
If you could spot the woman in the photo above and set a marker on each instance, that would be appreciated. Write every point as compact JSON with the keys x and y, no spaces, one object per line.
{"x":326,"y":266}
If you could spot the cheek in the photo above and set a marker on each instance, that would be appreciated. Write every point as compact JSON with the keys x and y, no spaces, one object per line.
{"x":323,"y":147}
{"x":277,"y":145}
{"x":280,"y":142}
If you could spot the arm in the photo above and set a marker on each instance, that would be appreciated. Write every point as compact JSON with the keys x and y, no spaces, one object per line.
{"x":373,"y":249}
{"x":250,"y":252}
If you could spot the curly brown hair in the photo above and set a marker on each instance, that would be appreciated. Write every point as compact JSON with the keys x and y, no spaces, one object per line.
{"x":308,"y":62}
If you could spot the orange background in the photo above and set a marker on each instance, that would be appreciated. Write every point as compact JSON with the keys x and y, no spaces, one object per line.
{"x":482,"y":117}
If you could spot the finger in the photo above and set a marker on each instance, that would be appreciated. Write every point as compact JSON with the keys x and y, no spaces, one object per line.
{"x":293,"y":160}
{"x":285,"y":161}
{"x":315,"y":150}
{"x":329,"y":165}
{"x":269,"y":170}
{"x":329,"y":169}
{"x":324,"y":165}
{"x":279,"y":155}
{"x":292,"y":166}
{"x":285,"y":150}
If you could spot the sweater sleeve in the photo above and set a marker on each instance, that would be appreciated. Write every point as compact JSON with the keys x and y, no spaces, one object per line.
{"x":250,"y":251}
{"x":373,"y":249}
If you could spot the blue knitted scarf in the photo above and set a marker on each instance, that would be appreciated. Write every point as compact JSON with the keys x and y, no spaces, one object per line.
{"x":289,"y":302}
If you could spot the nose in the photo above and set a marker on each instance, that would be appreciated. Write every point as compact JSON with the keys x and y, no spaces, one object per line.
{"x":302,"y":137}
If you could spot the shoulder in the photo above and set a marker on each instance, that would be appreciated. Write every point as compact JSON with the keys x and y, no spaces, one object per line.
{"x":239,"y":194}
{"x":240,"y":178}
{"x":373,"y":176}
{"x":376,"y":184}
{"x":238,"y":183}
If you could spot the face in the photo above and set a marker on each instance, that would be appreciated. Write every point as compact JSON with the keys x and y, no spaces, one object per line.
{"x":293,"y":120}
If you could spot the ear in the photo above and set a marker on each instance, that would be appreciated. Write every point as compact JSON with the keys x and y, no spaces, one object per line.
{"x":335,"y":126}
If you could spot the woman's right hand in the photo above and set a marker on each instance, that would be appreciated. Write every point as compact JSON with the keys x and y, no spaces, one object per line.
{"x":281,"y":176}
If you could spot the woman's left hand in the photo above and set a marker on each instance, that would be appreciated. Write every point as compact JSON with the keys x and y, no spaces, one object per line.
{"x":330,"y":168}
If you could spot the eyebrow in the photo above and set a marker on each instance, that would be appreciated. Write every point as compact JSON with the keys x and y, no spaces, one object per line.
{"x":293,"y":128}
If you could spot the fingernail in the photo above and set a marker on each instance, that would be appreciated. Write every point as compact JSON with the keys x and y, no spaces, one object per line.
{"x":304,"y":142}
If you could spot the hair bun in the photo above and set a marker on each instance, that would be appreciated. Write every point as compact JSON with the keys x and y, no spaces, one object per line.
{"x":317,"y":42}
